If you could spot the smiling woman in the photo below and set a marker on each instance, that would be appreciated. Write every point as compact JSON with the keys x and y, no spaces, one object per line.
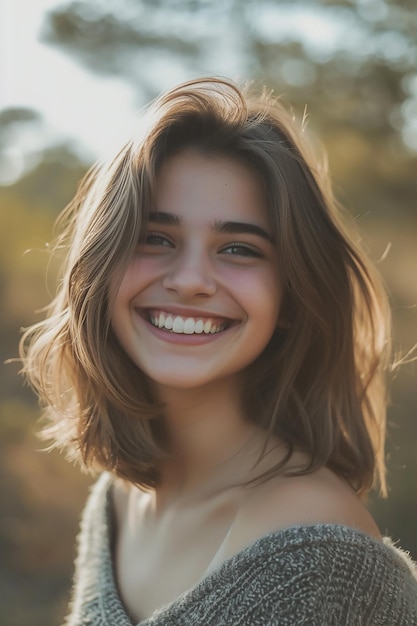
{"x":213,"y":283}
{"x":218,"y":345}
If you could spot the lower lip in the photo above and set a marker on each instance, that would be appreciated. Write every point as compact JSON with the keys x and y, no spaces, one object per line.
{"x":182,"y":338}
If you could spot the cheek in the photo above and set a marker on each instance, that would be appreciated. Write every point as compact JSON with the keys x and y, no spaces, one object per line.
{"x":259,"y":294}
{"x":138,"y":274}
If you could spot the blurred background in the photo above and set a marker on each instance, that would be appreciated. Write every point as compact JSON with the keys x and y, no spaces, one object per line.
{"x":73,"y":78}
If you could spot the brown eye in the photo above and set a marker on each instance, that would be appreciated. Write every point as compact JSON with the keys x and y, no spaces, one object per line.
{"x":154,"y":239}
{"x":241,"y":249}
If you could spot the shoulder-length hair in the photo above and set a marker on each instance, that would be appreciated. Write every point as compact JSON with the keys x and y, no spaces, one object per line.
{"x":320,"y":383}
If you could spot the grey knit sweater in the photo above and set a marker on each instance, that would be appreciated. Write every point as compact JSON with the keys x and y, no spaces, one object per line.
{"x":321,"y":575}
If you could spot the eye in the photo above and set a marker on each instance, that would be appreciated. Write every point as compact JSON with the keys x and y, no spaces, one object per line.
{"x":241,"y":249}
{"x":156,"y":239}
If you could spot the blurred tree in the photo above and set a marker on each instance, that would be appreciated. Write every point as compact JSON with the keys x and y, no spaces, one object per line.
{"x":40,"y":495}
{"x":353,"y":63}
{"x":13,"y":123}
{"x":344,"y":51}
{"x":25,"y":143}
{"x":12,"y":116}
{"x":29,"y":208}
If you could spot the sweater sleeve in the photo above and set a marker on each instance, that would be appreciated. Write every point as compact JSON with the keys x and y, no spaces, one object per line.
{"x":332,"y":580}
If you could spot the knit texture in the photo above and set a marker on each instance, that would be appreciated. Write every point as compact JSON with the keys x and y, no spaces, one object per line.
{"x":319,"y":575}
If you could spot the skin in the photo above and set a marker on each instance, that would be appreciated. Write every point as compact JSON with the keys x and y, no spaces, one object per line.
{"x":192,"y":270}
{"x":200,"y":515}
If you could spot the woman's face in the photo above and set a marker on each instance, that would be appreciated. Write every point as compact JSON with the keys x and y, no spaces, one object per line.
{"x":200,"y":298}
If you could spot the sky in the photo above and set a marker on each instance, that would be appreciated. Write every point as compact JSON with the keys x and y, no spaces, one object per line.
{"x":78,"y":107}
{"x":95,"y":114}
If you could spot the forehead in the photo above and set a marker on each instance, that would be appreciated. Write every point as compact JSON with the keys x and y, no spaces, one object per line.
{"x":192,"y":183}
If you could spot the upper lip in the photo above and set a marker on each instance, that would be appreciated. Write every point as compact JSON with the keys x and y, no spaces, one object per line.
{"x":185,"y":311}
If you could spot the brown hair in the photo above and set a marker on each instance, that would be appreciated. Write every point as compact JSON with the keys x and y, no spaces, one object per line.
{"x":319,"y":385}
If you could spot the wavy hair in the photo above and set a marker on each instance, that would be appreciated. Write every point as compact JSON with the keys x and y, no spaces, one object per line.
{"x":319,"y":385}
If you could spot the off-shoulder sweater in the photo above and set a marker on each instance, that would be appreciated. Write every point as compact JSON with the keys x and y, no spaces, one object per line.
{"x":315,"y":575}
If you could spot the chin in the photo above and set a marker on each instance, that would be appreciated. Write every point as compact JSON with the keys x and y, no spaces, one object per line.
{"x":182,"y":382}
{"x":188,"y":379}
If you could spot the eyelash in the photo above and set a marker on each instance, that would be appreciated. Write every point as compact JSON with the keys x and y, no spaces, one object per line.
{"x":243,"y":250}
{"x":153,"y":236}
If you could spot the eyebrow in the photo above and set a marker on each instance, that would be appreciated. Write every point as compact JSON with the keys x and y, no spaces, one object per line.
{"x":230,"y":228}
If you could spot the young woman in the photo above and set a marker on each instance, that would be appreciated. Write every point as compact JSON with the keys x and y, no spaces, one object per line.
{"x":218,"y":345}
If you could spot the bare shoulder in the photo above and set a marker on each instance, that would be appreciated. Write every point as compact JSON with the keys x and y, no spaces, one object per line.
{"x":317,"y":498}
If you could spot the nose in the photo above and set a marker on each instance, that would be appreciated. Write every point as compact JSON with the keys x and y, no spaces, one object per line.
{"x":191,"y":274}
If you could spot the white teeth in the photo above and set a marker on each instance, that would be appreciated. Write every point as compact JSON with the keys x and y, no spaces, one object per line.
{"x":169,"y":322}
{"x":187,"y":326}
{"x":198,"y":327}
{"x":178,"y":325}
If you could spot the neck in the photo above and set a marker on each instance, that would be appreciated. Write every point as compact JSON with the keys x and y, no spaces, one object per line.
{"x":212,"y":443}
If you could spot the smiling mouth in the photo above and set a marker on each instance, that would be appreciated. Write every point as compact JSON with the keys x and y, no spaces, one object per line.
{"x":187,"y":325}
